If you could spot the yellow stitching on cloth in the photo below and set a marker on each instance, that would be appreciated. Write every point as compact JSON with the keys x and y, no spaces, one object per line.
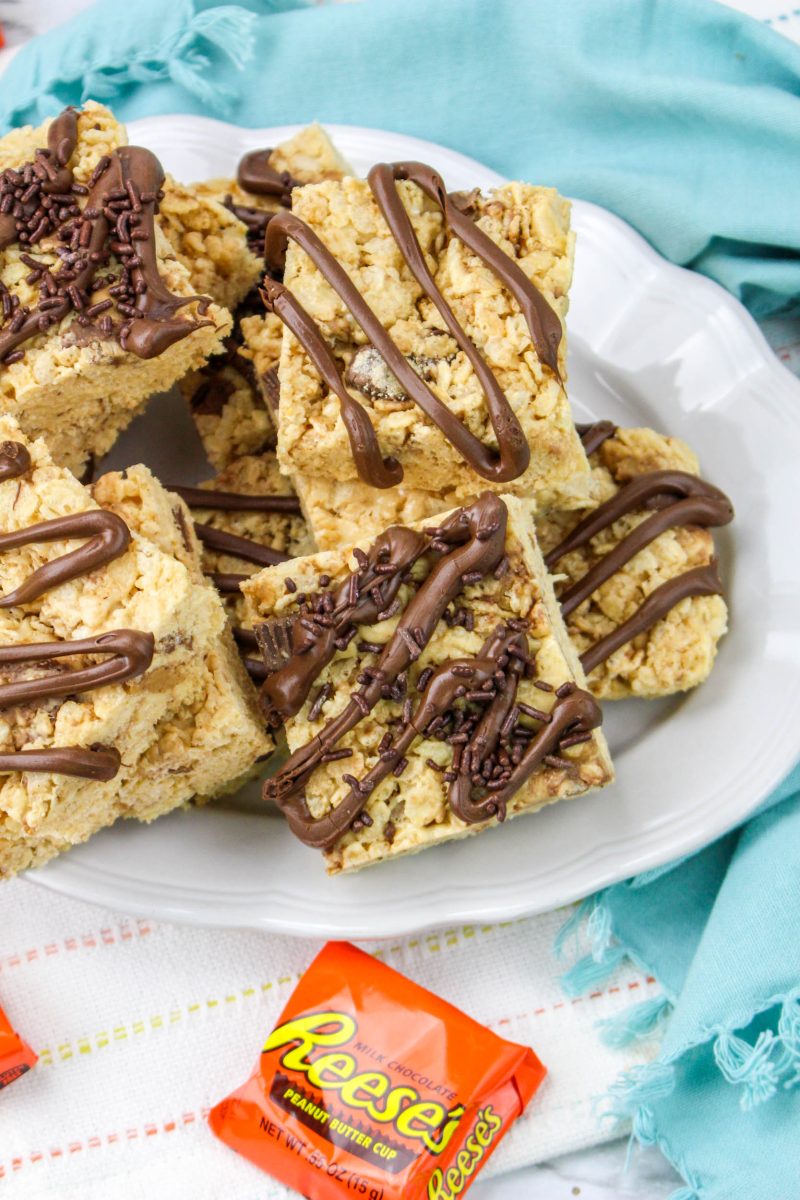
{"x":431,"y":942}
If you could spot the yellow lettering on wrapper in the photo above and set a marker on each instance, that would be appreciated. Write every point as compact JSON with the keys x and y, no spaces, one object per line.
{"x":413,"y":1117}
{"x":450,"y":1184}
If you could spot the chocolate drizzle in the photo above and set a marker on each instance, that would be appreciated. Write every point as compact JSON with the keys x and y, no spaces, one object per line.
{"x":235,"y":501}
{"x":108,"y":535}
{"x":255,"y":175}
{"x":255,"y":221}
{"x":126,"y":653}
{"x":593,"y":435}
{"x":698,"y":581}
{"x":118,"y":219}
{"x":241,"y":547}
{"x":130,"y":654}
{"x":464,"y":549}
{"x":678,"y":498}
{"x":513,"y":454}
{"x":99,"y":763}
{"x":15,"y":460}
{"x":231,"y":543}
{"x":38,"y":196}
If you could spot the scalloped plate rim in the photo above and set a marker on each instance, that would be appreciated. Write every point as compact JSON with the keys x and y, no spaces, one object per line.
{"x":281,"y":910}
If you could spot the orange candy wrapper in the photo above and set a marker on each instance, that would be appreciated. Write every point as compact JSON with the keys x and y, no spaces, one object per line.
{"x":15,"y":1057}
{"x":372,"y":1086}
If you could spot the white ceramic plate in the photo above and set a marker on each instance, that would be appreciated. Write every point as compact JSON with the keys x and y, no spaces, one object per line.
{"x":650,"y":344}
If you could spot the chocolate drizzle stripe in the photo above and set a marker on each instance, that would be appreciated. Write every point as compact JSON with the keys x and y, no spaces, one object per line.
{"x":656,"y":489}
{"x":704,"y":510}
{"x":131,"y":653}
{"x":255,"y":175}
{"x":593,"y":435}
{"x":109,"y":537}
{"x":680,"y":499}
{"x":150,"y":325}
{"x":544,"y":325}
{"x":227,"y":582}
{"x":100,"y":764}
{"x":577,"y":712}
{"x":467,"y":546}
{"x":240,"y":547}
{"x":15,"y":460}
{"x":235,"y":501}
{"x":699,"y":581}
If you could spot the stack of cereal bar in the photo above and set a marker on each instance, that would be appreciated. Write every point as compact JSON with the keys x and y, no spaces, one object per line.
{"x":408,"y":566}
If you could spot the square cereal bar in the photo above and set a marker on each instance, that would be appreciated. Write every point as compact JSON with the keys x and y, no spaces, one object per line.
{"x":426,"y":684}
{"x":108,"y":641}
{"x":647,"y":624}
{"x":524,"y":243}
{"x":98,"y":314}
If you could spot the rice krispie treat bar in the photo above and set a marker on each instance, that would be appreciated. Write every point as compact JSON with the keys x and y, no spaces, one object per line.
{"x":213,"y":738}
{"x":426,"y":343}
{"x":226,"y":398}
{"x":638,"y":581}
{"x":426,"y":684}
{"x":103,"y":637}
{"x":97,"y":313}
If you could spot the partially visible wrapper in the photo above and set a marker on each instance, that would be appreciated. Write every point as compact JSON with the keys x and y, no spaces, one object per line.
{"x":15,"y":1057}
{"x":372,"y":1086}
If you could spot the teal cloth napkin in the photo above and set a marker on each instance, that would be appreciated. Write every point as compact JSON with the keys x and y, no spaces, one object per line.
{"x":684,"y":118}
{"x":681,"y":116}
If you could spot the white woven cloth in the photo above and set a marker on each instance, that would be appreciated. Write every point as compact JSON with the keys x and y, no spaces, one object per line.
{"x":142,"y":1026}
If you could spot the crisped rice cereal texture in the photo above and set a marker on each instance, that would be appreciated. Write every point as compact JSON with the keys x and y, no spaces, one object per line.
{"x":212,"y":739}
{"x":74,"y":387}
{"x":285,"y":532}
{"x":226,"y":398}
{"x":144,"y":589}
{"x":679,"y":651}
{"x":411,"y":812}
{"x":531,"y":224}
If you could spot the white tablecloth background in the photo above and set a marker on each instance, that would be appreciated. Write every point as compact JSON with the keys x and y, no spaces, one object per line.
{"x":141,"y":1025}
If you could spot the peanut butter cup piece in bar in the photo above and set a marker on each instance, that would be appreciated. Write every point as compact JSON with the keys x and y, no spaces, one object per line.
{"x":637,"y":577}
{"x":104,"y":640}
{"x":425,"y":343}
{"x":426,"y":685}
{"x":97,"y":311}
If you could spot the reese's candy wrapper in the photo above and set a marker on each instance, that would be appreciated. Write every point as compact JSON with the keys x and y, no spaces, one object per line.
{"x":15,"y":1057}
{"x":372,"y":1086}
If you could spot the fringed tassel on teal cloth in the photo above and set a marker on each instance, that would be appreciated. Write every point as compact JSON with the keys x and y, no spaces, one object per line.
{"x":773,"y":1061}
{"x":789,"y":1037}
{"x":639,"y":1022}
{"x":638,"y":1088}
{"x":590,"y":972}
{"x":180,"y":57}
{"x":604,"y":956}
{"x":231,"y":30}
{"x":750,"y":1067}
{"x":571,"y":927}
